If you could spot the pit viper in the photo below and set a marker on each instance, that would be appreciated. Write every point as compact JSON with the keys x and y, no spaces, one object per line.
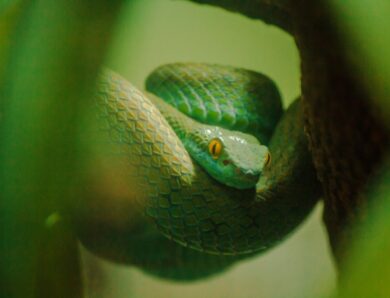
{"x":207,"y":199}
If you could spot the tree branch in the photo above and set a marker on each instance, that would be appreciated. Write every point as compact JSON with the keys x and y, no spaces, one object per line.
{"x":273,"y":12}
{"x":346,"y":136}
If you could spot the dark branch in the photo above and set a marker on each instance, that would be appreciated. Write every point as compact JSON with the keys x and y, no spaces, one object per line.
{"x":273,"y":12}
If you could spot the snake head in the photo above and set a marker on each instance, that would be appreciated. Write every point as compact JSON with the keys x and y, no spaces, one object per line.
{"x":233,"y":158}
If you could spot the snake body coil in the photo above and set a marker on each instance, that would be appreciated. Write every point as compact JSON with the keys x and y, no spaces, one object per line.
{"x":184,"y":201}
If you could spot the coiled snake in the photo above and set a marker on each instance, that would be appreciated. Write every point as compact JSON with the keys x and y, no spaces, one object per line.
{"x":214,"y":192}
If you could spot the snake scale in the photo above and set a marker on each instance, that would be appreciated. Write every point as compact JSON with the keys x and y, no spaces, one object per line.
{"x":194,"y":225}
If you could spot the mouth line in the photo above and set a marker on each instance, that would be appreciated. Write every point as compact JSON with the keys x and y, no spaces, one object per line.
{"x":248,"y":174}
{"x":250,"y":177}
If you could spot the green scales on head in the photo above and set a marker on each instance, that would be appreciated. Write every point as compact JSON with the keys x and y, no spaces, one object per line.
{"x":233,"y":112}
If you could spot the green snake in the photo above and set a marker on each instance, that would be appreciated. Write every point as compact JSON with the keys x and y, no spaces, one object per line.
{"x":198,"y":147}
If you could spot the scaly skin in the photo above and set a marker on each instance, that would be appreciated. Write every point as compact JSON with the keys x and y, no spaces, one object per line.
{"x":232,"y":98}
{"x":240,"y":160}
{"x":214,"y":224}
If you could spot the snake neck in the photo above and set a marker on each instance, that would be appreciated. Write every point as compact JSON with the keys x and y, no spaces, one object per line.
{"x":185,"y":128}
{"x":180,"y":123}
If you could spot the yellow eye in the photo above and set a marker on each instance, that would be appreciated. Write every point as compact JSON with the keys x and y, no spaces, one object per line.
{"x":267,"y":159}
{"x":215,"y":148}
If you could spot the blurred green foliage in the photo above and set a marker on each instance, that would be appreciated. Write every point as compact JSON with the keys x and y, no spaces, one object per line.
{"x":368,"y":269}
{"x":364,"y":25}
{"x":48,"y":77}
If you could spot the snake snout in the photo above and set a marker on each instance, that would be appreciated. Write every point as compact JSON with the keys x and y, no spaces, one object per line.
{"x":248,"y":174}
{"x":252,"y":175}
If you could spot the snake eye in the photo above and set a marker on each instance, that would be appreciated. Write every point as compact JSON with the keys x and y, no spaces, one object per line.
{"x":267,"y":159}
{"x":215,"y":148}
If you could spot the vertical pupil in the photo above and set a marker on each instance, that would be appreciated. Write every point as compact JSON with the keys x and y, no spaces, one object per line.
{"x":214,"y":148}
